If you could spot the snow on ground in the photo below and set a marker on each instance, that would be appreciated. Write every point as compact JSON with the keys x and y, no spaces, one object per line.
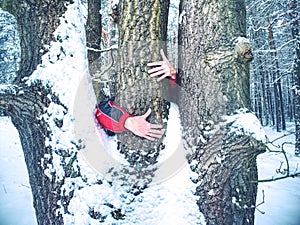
{"x":162,"y":201}
{"x":281,"y":198}
{"x":15,"y":194}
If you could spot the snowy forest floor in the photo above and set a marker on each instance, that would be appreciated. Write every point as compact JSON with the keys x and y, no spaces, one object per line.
{"x":281,"y":199}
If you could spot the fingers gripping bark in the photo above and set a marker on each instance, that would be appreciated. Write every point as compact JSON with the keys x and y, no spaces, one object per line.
{"x":162,"y":69}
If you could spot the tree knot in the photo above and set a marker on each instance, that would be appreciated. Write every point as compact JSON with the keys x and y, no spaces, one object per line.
{"x":243,"y":50}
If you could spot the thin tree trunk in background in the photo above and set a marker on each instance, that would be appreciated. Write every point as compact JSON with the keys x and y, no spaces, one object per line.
{"x":290,"y":104}
{"x":93,"y":29}
{"x":279,"y":110}
{"x":270,"y":99}
{"x":264,"y":110}
{"x":295,"y":21}
{"x":214,"y":71}
{"x":257,"y":102}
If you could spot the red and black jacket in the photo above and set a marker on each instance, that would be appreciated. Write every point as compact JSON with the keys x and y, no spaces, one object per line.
{"x":110,"y":116}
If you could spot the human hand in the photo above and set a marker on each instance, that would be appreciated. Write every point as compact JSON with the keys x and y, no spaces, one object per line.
{"x":162,"y":69}
{"x":140,"y":127}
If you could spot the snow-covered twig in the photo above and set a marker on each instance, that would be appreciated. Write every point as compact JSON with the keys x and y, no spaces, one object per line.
{"x":280,"y":178}
{"x":97,"y":77}
{"x":113,"y":47}
{"x":276,"y":139}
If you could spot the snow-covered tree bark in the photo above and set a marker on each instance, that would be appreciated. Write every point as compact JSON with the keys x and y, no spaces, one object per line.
{"x":23,"y":104}
{"x":9,"y":48}
{"x":214,"y":61}
{"x":44,"y":102}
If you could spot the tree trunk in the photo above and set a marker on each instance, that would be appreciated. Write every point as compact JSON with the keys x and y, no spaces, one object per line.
{"x":264,"y":112}
{"x":24,"y":110}
{"x":294,"y":15}
{"x":44,"y":15}
{"x":9,"y":48}
{"x":270,"y":98}
{"x":93,"y":30}
{"x":55,"y":121}
{"x":142,"y":33}
{"x":214,"y":71}
{"x":93,"y":42}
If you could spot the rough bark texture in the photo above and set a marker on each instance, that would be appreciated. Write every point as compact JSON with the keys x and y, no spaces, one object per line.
{"x":9,"y":47}
{"x":25,"y":104}
{"x":214,"y":71}
{"x":93,"y":41}
{"x":142,"y":32}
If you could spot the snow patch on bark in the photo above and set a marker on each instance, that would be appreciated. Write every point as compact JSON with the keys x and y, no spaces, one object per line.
{"x":9,"y":48}
{"x":62,"y":68}
{"x":245,"y":122}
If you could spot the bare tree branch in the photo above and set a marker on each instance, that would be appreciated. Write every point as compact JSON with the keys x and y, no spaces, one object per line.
{"x":113,"y":47}
{"x":279,"y":178}
{"x":263,"y":201}
{"x":97,"y":77}
{"x":286,"y":171}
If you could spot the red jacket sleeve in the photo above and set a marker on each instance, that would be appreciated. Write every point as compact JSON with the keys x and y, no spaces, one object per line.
{"x":111,"y":116}
{"x":173,"y":81}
